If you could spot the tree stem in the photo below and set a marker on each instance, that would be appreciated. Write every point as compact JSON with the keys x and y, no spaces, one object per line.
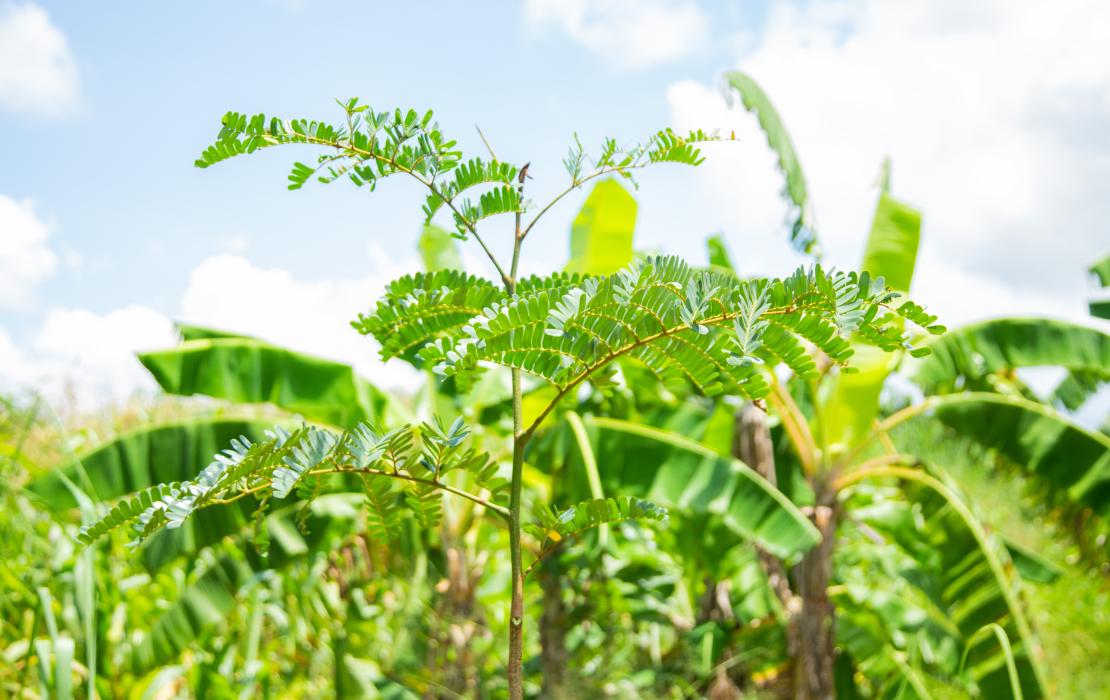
{"x":520,"y":441}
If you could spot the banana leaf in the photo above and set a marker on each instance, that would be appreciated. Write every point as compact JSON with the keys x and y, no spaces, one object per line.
{"x":852,"y":403}
{"x":1036,"y":439}
{"x":142,"y":458}
{"x":796,"y":192}
{"x":671,"y":469}
{"x":246,"y":370}
{"x":438,"y":250}
{"x":964,"y":357}
{"x":601,"y":235}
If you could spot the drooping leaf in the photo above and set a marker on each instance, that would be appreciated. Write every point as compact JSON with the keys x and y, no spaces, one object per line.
{"x":244,"y":370}
{"x":802,"y":233}
{"x":673,"y":470}
{"x":1077,"y":386}
{"x":1066,"y":457}
{"x":965,"y":571}
{"x":964,"y":357}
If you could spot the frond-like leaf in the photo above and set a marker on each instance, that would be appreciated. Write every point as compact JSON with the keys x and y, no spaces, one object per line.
{"x":554,"y":526}
{"x":416,"y":458}
{"x":417,"y":309}
{"x":687,"y":325}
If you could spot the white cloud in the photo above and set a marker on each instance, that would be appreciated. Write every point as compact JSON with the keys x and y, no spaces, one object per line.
{"x":84,"y":360}
{"x":38,"y":75}
{"x":25,"y":258}
{"x":629,"y":33}
{"x":230,"y":292}
{"x":996,"y":115}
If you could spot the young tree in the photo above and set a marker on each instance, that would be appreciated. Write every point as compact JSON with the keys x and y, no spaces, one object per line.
{"x":709,"y":329}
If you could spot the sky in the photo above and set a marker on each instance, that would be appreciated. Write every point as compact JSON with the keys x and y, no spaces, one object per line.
{"x":996,"y":116}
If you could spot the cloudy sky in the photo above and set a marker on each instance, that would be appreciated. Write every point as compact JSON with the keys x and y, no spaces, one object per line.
{"x":996,"y":116}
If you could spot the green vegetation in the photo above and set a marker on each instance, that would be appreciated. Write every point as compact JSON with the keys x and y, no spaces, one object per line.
{"x":633,"y":477}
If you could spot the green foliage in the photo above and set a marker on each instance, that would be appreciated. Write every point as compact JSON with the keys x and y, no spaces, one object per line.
{"x":892,"y":244}
{"x":245,"y":370}
{"x":852,"y":404}
{"x":438,"y":250}
{"x":685,"y":324}
{"x":1068,"y":458}
{"x":668,"y":467}
{"x":422,"y":307}
{"x":664,"y":146}
{"x":970,"y":357}
{"x":552,"y":527}
{"x":417,"y":457}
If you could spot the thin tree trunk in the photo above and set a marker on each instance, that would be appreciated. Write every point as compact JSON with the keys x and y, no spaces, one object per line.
{"x":752,"y":445}
{"x":516,"y":606}
{"x":814,"y":627}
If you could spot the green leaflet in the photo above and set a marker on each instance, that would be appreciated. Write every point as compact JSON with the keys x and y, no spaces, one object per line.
{"x":439,"y":250}
{"x":601,"y":235}
{"x":1035,"y":438}
{"x":802,"y":234}
{"x":688,"y":476}
{"x":560,"y":525}
{"x":143,"y":458}
{"x":966,"y":356}
{"x":244,"y":370}
{"x":689,"y":326}
{"x":153,"y":460}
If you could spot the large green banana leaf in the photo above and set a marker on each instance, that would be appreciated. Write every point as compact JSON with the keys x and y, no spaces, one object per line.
{"x":966,"y":356}
{"x":802,"y":235}
{"x":673,"y":470}
{"x":153,"y":455}
{"x":718,"y":253}
{"x":1037,"y":439}
{"x":246,"y":370}
{"x":852,"y":403}
{"x":142,"y":458}
{"x":891,"y":250}
{"x":601,"y":235}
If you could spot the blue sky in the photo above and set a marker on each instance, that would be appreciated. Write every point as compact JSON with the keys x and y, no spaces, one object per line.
{"x":996,"y":115}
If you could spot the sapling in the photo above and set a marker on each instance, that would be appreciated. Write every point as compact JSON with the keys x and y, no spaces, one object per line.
{"x":705,"y":328}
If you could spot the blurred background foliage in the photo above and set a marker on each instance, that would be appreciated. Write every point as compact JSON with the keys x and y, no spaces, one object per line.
{"x":995,"y":584}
